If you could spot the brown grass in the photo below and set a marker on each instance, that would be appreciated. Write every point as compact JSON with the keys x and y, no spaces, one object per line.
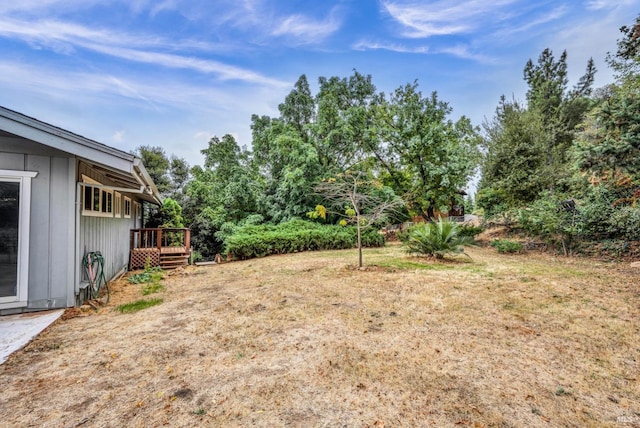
{"x":308,"y":340}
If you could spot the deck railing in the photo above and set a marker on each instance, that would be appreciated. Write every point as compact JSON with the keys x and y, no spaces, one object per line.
{"x":160,"y":238}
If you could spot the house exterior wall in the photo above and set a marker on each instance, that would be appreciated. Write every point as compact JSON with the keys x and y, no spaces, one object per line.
{"x":55,"y":268}
{"x":51,"y":255}
{"x":109,"y":235}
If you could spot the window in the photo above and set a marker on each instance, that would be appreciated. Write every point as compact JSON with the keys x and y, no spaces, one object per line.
{"x":138,"y":211}
{"x":117,"y":205}
{"x":97,"y":201}
{"x":127,"y":207}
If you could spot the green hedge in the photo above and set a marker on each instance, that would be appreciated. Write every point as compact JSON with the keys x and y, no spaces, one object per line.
{"x":295,"y":236}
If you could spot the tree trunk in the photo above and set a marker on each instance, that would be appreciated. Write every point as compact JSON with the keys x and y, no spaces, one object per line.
{"x":359,"y":244}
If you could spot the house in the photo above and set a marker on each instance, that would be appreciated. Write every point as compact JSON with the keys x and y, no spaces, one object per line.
{"x":61,"y":197}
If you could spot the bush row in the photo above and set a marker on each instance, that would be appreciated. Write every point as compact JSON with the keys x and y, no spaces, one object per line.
{"x":295,"y":236}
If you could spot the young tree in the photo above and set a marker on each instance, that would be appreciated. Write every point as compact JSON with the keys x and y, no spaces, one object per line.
{"x":358,"y":199}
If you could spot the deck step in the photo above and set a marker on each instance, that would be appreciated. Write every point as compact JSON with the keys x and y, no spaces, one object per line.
{"x":173,"y":261}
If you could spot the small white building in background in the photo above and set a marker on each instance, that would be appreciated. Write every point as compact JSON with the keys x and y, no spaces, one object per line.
{"x":62,"y":196}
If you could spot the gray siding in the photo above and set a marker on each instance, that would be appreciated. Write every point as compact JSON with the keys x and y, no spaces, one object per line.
{"x":51,"y":247}
{"x":55,"y":270}
{"x":108,"y":235}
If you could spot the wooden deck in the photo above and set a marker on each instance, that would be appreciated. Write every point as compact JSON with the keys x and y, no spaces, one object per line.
{"x":168,"y":248}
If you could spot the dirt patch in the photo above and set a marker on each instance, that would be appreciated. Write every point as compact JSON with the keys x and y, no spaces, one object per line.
{"x":307,"y":340}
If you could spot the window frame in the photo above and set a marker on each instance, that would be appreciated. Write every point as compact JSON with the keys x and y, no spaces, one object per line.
{"x":20,"y":299}
{"x":102,"y":199}
{"x":126,"y":207}
{"x":117,"y":204}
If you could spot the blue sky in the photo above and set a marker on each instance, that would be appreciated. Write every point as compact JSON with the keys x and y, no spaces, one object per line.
{"x":173,"y":73}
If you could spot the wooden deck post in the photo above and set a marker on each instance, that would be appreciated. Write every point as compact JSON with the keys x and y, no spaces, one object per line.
{"x":159,"y":240}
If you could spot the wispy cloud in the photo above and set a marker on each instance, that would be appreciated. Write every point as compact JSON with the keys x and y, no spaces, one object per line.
{"x":364,"y":45}
{"x":118,"y":136}
{"x":538,"y":21}
{"x":443,"y":17}
{"x":155,"y":93}
{"x":459,"y":51}
{"x":446,"y":18}
{"x":308,"y":30}
{"x":65,"y":38}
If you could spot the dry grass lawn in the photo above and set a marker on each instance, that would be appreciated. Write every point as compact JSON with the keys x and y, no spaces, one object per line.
{"x":307,"y":340}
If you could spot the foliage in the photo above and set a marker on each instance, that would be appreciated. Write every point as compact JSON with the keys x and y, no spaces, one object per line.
{"x":221,"y":194}
{"x":295,"y":236}
{"x":553,"y":218}
{"x":424,"y":156}
{"x":157,"y":165}
{"x":491,"y":200}
{"x":168,"y":215}
{"x":437,"y":239}
{"x":469,"y":204}
{"x":506,"y":246}
{"x":152,"y":288}
{"x":512,"y":170}
{"x":150,"y":274}
{"x":607,"y":149}
{"x":528,"y":147}
{"x":604,"y":215}
{"x":469,"y":230}
{"x":138,"y":305}
{"x":626,"y":60}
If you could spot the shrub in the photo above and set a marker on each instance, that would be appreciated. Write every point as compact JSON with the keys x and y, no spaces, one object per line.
{"x":295,"y":236}
{"x":506,"y":246}
{"x":469,"y":230}
{"x":553,"y":218}
{"x":437,"y":239}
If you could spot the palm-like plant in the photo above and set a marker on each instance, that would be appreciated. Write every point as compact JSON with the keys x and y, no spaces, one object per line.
{"x":437,"y":239}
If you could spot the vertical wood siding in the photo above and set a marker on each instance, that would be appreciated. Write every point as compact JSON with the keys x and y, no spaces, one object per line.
{"x":108,"y":235}
{"x":51,"y":275}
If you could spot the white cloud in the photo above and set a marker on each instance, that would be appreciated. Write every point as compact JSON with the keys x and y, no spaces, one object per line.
{"x":65,"y":38}
{"x":118,"y":136}
{"x":364,"y":45}
{"x":443,"y":17}
{"x":307,"y":30}
{"x":539,"y":21}
{"x":458,"y":51}
{"x":203,"y":135}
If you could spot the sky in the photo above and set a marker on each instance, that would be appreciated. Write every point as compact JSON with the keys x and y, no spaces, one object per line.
{"x":174,"y":73}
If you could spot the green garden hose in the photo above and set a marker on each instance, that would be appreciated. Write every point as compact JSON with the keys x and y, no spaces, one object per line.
{"x":93,"y":264}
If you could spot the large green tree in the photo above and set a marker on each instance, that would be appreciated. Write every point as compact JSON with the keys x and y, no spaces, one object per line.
{"x":157,"y":165}
{"x":223,"y":191}
{"x":314,"y":137}
{"x":424,"y":156}
{"x":516,"y":154}
{"x":608,"y":147}
{"x":527,"y":147}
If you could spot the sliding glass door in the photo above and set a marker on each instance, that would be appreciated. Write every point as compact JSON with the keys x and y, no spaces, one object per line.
{"x":9,"y":222}
{"x":15,"y":207}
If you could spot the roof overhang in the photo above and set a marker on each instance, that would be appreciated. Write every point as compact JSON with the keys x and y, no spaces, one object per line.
{"x":123,"y":168}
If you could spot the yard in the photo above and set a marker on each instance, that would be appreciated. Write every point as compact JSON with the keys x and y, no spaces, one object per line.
{"x":308,"y":340}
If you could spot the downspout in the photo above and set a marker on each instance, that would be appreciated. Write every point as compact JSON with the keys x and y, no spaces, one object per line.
{"x":78,"y":273}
